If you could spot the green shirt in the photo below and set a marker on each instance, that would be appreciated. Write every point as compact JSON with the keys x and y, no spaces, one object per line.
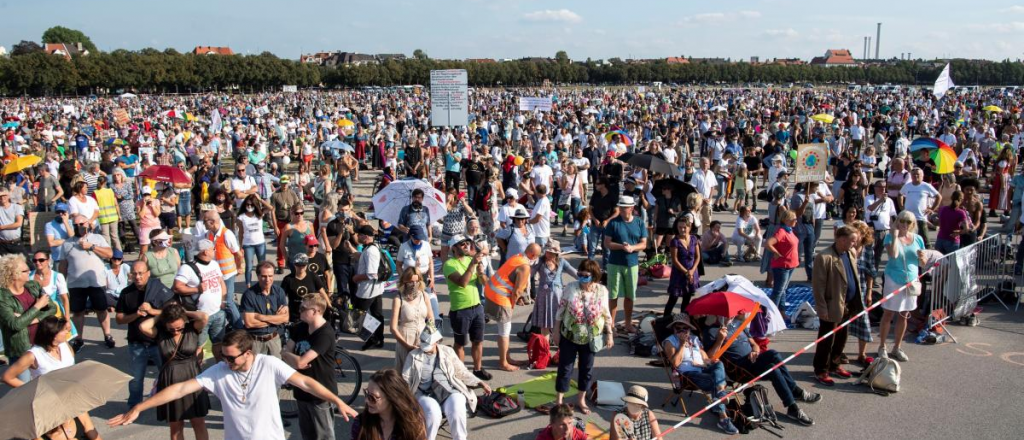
{"x":461,"y":297}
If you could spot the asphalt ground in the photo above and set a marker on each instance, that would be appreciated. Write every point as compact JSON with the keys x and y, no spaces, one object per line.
{"x":970,"y":389}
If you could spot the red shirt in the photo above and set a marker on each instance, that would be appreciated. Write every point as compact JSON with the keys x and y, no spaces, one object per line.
{"x":27,"y":301}
{"x":786,"y":244}
{"x":545,"y":434}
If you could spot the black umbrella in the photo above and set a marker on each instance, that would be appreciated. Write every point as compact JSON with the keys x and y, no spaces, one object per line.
{"x":651,"y":163}
{"x":680,"y":190}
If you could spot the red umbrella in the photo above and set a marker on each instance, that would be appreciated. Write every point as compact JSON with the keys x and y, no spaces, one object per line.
{"x":166,"y":173}
{"x":729,"y":305}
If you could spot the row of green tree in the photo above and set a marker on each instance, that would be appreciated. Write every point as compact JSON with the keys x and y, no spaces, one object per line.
{"x":152,"y":71}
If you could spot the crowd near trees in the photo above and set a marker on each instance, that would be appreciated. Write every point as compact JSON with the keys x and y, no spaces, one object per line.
{"x":31,"y":71}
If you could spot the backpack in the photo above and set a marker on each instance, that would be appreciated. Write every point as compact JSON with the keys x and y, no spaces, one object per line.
{"x":643,"y":344}
{"x":883,"y":376}
{"x":384,"y":271}
{"x":498,"y":405}
{"x":757,"y":411}
{"x":482,"y":199}
{"x":191,"y":302}
{"x":539,"y":351}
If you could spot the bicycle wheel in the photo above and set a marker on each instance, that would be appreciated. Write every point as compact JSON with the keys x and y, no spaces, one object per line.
{"x":348,"y":374}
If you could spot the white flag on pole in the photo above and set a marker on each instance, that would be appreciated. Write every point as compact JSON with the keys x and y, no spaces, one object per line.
{"x":943,"y":83}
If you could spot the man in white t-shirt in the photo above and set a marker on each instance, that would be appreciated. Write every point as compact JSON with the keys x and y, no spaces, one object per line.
{"x":921,"y":199}
{"x":246,"y":384}
{"x":706,"y":184}
{"x":209,"y":285}
{"x":821,"y":198}
{"x":540,"y":217}
{"x":242,"y":185}
{"x":542,"y":173}
{"x":582,"y":166}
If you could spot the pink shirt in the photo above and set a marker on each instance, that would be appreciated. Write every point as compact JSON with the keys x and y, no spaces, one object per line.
{"x":787,"y":246}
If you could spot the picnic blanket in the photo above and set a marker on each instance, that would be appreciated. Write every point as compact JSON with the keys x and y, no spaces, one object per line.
{"x":538,"y":391}
{"x":795,"y":295}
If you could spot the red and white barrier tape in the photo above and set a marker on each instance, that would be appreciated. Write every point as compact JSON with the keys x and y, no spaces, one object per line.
{"x":792,"y":356}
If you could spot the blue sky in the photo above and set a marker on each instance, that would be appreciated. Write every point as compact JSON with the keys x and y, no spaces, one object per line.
{"x":516,"y":28}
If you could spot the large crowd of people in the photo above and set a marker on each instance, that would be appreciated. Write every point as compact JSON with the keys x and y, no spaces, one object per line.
{"x":196,"y":187}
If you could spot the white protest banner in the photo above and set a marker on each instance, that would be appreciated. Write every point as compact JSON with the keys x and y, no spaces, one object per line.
{"x":811,"y":161}
{"x":68,"y":109}
{"x":449,"y":97}
{"x":291,"y":89}
{"x":528,"y":104}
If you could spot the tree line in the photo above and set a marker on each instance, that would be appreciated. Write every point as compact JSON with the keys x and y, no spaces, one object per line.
{"x":35,"y":73}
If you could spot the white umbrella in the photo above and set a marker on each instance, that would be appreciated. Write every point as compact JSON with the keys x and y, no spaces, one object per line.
{"x":742,"y":286}
{"x":590,"y":110}
{"x":718,"y":108}
{"x":388,"y":203}
{"x":128,"y":95}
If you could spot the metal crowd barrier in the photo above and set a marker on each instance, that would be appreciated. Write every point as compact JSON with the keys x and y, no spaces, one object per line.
{"x":962,"y":279}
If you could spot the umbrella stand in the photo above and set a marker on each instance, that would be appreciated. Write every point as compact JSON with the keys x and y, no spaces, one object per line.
{"x":736,"y":334}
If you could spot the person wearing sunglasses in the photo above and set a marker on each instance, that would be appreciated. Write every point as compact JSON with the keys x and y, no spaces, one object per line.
{"x":686,"y":355}
{"x":293,"y":237}
{"x":84,"y":267}
{"x":391,"y":411}
{"x":21,"y":302}
{"x":310,"y":350}
{"x":247,"y":385}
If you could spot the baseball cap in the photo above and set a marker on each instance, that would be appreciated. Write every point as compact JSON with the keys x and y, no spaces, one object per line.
{"x":300,"y":259}
{"x":286,"y":179}
{"x":205,"y":244}
{"x":162,"y":236}
{"x":61,"y":207}
{"x":511,"y":193}
{"x":117,"y":255}
{"x":417,"y":232}
{"x":311,"y":240}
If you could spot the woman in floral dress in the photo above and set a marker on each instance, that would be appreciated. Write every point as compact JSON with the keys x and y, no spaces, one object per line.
{"x":550,"y":286}
{"x":583,"y":326}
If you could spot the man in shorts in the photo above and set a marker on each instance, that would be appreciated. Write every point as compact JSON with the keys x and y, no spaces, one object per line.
{"x":84,"y":266}
{"x":625,"y":236}
{"x":461,"y":273}
{"x":503,"y":290}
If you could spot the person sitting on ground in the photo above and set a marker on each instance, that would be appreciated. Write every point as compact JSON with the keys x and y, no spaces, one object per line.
{"x":685,"y":354}
{"x":445,"y":388}
{"x":561,"y":425}
{"x":746,"y":354}
{"x":713,"y":245}
{"x":635,"y":421}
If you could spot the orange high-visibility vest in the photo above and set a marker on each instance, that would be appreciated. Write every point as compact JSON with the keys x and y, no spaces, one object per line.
{"x":499,"y":287}
{"x":224,"y":257}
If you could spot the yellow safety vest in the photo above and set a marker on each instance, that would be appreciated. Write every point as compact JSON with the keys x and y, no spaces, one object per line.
{"x":108,"y":205}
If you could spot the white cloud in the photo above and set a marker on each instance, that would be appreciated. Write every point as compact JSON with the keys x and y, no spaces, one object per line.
{"x":551,"y":15}
{"x":718,"y":17}
{"x":1000,"y":28}
{"x":781,"y":33}
{"x":1016,"y":9}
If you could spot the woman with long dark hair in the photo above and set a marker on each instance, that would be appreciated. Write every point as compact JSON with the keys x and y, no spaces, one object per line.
{"x":391,"y":412}
{"x":250,"y":235}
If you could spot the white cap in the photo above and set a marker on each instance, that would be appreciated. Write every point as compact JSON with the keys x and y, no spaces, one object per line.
{"x":205,"y":244}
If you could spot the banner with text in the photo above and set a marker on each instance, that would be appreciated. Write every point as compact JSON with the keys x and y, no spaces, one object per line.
{"x":811,"y":162}
{"x":528,"y":104}
{"x":449,"y":97}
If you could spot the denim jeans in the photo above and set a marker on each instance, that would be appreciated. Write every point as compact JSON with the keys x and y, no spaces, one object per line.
{"x":140,"y":355}
{"x":946,"y":246}
{"x":709,"y":379}
{"x":234,"y":317}
{"x":253,"y":251}
{"x":594,"y":238}
{"x":566,"y":361}
{"x":780,"y":283}
{"x":807,"y":240}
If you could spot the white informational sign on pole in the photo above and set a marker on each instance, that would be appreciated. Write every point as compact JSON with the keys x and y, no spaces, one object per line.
{"x":811,"y":161}
{"x":449,"y":98}
{"x":528,"y":104}
{"x":291,"y":89}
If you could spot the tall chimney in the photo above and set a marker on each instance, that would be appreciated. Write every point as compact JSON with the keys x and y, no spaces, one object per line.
{"x":865,"y":52}
{"x":878,"y":39}
{"x":869,"y":49}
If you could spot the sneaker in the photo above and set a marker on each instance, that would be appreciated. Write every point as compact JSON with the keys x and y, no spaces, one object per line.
{"x":865,"y":361}
{"x":76,"y":344}
{"x":824,"y":379}
{"x":900,"y":355}
{"x":807,"y":396}
{"x":482,"y":374}
{"x":109,"y":340}
{"x":794,"y":412}
{"x":726,"y":426}
{"x":882,"y":353}
{"x":839,"y":371}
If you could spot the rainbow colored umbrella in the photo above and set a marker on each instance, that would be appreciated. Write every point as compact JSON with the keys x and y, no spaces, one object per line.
{"x":115,"y":141}
{"x":924,"y":143}
{"x":622,"y":135}
{"x":944,"y":158}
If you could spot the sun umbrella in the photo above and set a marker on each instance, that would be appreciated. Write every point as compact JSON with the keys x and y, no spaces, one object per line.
{"x":590,"y":111}
{"x":46,"y":402}
{"x":167,"y":174}
{"x":822,"y":117}
{"x":345,"y":123}
{"x":338,"y":145}
{"x":826,"y":106}
{"x":128,"y":95}
{"x":742,"y":286}
{"x":651,"y":163}
{"x":115,"y":141}
{"x":21,"y":163}
{"x":622,"y":135}
{"x":944,"y":158}
{"x":924,"y":143}
{"x":388,"y":203}
{"x":992,"y":108}
{"x":12,"y":124}
{"x":680,"y":190}
{"x":728,"y":305}
{"x":718,"y":108}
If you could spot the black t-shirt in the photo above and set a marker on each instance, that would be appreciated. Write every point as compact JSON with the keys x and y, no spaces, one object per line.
{"x":318,"y":266}
{"x":474,"y":173}
{"x":613,"y":172}
{"x":339,"y":256}
{"x":130,"y":300}
{"x":295,"y":289}
{"x":322,"y":368}
{"x":603,"y":206}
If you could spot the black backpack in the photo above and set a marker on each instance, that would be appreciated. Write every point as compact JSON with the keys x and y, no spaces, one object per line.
{"x":482,"y":199}
{"x":498,"y":405}
{"x":757,"y":411}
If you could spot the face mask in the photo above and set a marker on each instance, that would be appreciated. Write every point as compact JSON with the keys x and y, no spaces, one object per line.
{"x":585,"y":280}
{"x":415,"y":246}
{"x":250,"y":208}
{"x":80,"y":231}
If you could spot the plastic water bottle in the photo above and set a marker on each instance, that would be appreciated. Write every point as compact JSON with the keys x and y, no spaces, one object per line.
{"x":521,"y":398}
